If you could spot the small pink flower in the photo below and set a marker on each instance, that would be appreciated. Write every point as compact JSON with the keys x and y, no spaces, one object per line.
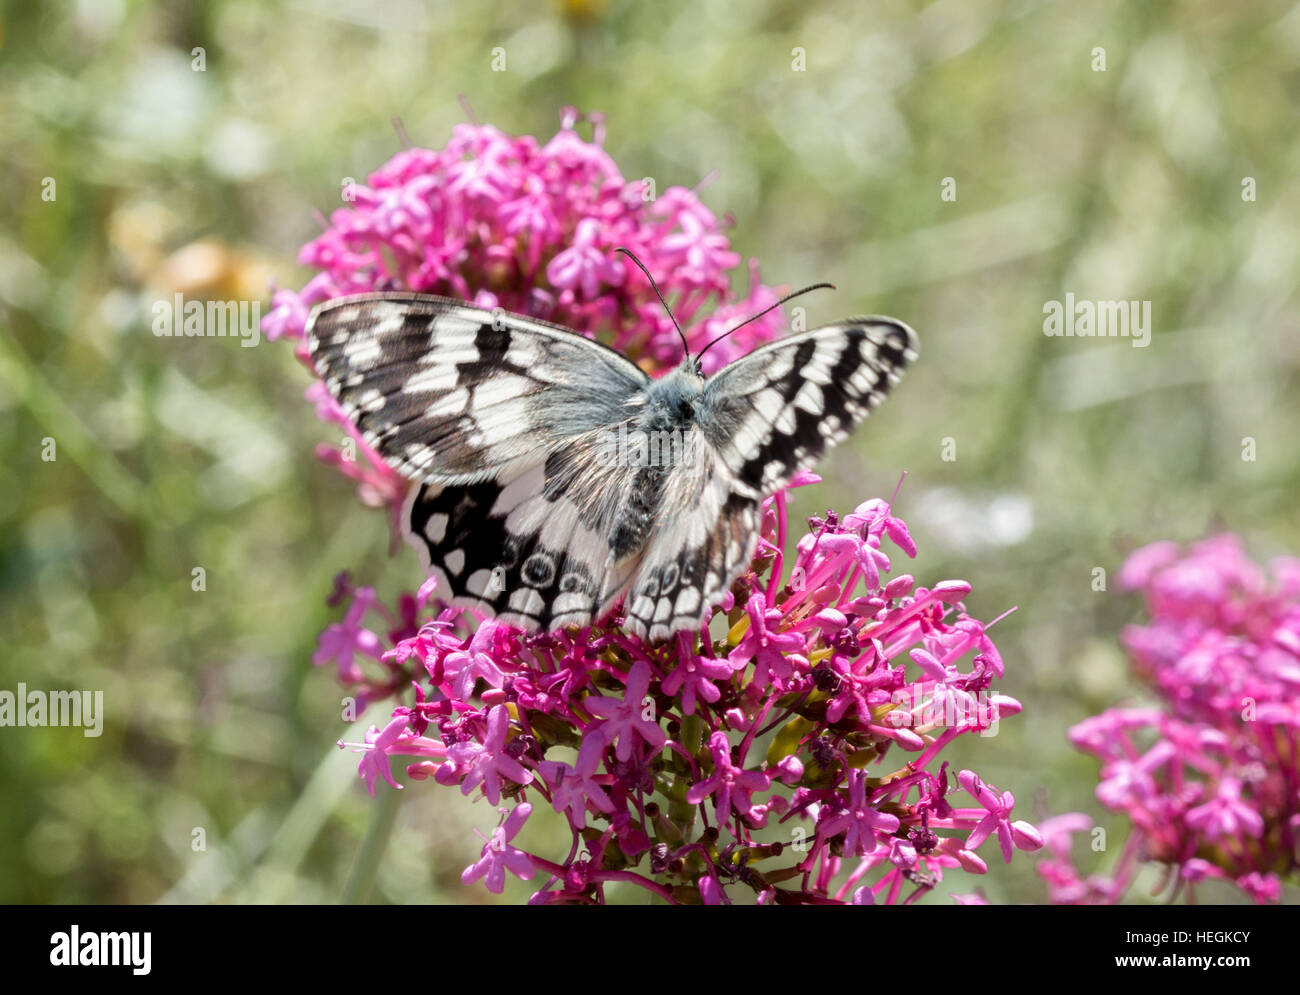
{"x":769,"y":649}
{"x":584,"y":265}
{"x":700,"y":247}
{"x":477,"y":661}
{"x":731,"y":786}
{"x":374,"y":763}
{"x":1226,"y":816}
{"x":472,"y":763}
{"x":343,"y":641}
{"x":1020,"y":835}
{"x":396,"y":738}
{"x":858,"y":820}
{"x":575,"y":788}
{"x":694,"y":675}
{"x":499,"y":856}
{"x":630,"y":719}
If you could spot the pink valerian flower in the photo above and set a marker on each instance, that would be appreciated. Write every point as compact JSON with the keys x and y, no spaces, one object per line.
{"x":1207,"y":779}
{"x":471,"y":762}
{"x":816,"y":642}
{"x":1017,"y":835}
{"x":857,"y":821}
{"x":499,"y":856}
{"x":583,"y":265}
{"x":769,"y":649}
{"x":477,"y":661}
{"x":1226,"y":815}
{"x":630,"y":719}
{"x":699,"y":247}
{"x":730,"y":785}
{"x":343,"y":641}
{"x":396,"y":738}
{"x":431,"y":645}
{"x":575,"y":788}
{"x":694,"y":676}
{"x":623,"y":705}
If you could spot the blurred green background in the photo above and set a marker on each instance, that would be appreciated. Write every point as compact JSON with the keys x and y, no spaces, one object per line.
{"x":1122,"y":183}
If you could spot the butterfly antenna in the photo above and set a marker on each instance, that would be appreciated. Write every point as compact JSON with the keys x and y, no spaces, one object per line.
{"x":640,"y":265}
{"x":787,"y":297}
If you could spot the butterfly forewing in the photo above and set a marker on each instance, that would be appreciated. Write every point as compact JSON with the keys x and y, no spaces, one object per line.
{"x":449,"y":393}
{"x":778,"y":410}
{"x":493,"y":414}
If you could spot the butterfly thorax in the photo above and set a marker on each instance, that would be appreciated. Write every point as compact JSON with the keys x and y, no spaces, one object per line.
{"x":671,"y":399}
{"x":656,"y":440}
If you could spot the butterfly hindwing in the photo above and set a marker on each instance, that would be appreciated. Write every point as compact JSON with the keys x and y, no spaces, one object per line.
{"x":530,"y":545}
{"x":706,"y":539}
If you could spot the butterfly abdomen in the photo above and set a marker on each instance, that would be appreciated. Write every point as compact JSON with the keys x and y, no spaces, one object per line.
{"x":635,"y":517}
{"x":650,"y":446}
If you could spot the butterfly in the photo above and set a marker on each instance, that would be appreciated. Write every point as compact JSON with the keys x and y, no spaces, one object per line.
{"x":552,"y":477}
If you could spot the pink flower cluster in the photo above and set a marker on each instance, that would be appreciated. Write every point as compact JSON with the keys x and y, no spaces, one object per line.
{"x":760,"y":759}
{"x":757,"y":759}
{"x":1210,"y":779}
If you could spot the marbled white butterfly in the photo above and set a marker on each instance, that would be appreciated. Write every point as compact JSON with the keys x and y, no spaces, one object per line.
{"x":554,"y":477}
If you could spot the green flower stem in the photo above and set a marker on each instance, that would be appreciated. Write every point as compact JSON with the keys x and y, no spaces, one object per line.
{"x":364,"y":870}
{"x":681,"y":812}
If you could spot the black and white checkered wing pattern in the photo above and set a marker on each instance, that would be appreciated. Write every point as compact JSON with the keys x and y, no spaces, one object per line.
{"x":529,"y":546}
{"x":778,"y":410}
{"x":496,"y":418}
{"x":504,"y":424}
{"x":761,"y":419}
{"x":448,"y":393}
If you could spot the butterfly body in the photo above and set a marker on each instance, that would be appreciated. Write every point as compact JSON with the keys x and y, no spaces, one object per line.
{"x":553,"y":477}
{"x":664,"y":419}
